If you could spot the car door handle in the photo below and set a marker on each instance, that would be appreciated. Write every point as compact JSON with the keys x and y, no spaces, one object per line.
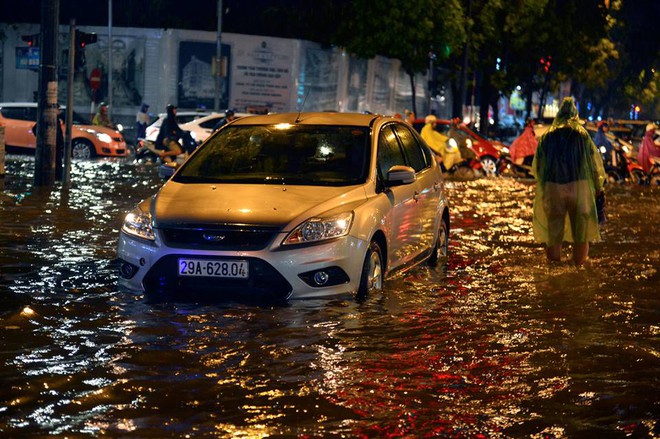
{"x":436,"y":186}
{"x":416,"y":196}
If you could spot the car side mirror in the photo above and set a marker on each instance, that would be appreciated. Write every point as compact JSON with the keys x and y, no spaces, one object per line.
{"x":399,"y":175}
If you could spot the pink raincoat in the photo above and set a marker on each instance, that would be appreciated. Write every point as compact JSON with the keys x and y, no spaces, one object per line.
{"x":648,"y":149}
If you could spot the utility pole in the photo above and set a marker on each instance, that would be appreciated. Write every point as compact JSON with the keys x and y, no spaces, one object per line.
{"x":110,"y":60}
{"x":47,"y":121}
{"x":218,"y":62}
{"x":69,"y":103}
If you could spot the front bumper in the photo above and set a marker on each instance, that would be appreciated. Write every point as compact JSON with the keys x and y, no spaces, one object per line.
{"x":274,"y":271}
{"x":113,"y":149}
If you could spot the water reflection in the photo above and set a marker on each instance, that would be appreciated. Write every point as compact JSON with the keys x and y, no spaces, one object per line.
{"x":495,"y":344}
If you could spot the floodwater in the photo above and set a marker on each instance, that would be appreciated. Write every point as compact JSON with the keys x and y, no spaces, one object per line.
{"x":495,"y":344}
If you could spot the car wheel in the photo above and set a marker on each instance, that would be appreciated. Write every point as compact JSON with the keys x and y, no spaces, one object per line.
{"x":372,"y":271}
{"x":489,"y":166}
{"x":441,"y":249}
{"x":82,"y":149}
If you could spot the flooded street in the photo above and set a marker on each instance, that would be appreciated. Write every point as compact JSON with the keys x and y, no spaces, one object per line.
{"x":495,"y":344}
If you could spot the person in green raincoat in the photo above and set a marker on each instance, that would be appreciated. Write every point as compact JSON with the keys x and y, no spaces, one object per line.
{"x":569,"y":175}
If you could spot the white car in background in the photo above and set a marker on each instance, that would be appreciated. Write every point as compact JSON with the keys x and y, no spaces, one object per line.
{"x":199,"y":124}
{"x":182,"y":117}
{"x":202,"y":128}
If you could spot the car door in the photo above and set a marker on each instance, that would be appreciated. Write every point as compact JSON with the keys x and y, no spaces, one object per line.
{"x":401,"y":220}
{"x":18,"y":122}
{"x":427,"y":185}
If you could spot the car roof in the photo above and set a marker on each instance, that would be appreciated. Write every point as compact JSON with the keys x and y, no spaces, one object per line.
{"x":18,"y":104}
{"x":323,"y":118}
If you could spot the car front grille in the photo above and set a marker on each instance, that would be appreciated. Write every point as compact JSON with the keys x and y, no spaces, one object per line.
{"x":229,"y":238}
{"x":263,"y":281}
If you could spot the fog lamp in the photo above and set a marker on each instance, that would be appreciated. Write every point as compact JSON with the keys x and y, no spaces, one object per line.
{"x":321,"y":278}
{"x":127,"y":270}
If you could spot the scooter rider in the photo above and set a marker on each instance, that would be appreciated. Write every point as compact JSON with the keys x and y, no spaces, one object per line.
{"x":167,"y":142}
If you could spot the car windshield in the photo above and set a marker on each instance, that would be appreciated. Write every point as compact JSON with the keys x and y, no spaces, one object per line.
{"x":78,"y":119}
{"x":282,"y":154}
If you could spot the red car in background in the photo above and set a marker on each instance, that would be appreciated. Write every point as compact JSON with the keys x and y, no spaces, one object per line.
{"x":487,"y":151}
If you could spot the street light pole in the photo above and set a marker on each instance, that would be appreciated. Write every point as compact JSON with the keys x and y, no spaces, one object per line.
{"x":66,"y":176}
{"x":109,"y":59}
{"x":218,"y":61}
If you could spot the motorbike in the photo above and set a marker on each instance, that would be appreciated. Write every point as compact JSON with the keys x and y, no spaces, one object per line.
{"x":506,"y":166}
{"x":465,"y":169}
{"x":146,"y":149}
{"x":652,"y":177}
{"x":620,"y":168}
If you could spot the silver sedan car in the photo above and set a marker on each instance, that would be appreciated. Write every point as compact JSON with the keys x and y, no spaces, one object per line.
{"x":290,"y":206}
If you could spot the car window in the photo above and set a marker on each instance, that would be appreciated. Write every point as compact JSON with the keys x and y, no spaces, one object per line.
{"x":389,"y":151}
{"x":185,"y":118}
{"x":411,"y":148}
{"x":442,"y":128}
{"x":210,"y":123}
{"x":18,"y":113}
{"x":274,"y":154}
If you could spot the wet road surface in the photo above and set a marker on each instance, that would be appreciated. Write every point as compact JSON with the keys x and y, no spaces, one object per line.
{"x":496,"y":343}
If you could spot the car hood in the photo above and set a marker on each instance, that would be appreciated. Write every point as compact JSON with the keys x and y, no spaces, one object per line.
{"x":268,"y":205}
{"x":93,"y":129}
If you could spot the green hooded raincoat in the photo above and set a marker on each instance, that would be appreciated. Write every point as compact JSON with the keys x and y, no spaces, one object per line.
{"x":569,"y":172}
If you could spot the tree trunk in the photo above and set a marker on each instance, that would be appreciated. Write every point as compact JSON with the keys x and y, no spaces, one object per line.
{"x":414,"y":94}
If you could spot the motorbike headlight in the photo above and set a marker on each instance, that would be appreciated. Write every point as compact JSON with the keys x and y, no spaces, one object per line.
{"x":103,"y":137}
{"x":138,"y":223}
{"x":505,"y":150}
{"x":320,"y":229}
{"x":603,"y":150}
{"x":120,"y":127}
{"x":451,"y":144}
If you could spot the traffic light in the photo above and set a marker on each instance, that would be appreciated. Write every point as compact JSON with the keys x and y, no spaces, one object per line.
{"x":545,"y":62}
{"x":31,"y":40}
{"x":82,"y":40}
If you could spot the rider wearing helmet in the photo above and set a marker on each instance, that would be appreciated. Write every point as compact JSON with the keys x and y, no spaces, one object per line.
{"x":229,"y":116}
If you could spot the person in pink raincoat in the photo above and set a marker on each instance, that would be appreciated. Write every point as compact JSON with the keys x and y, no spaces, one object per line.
{"x":525,"y":145}
{"x":650,"y":148}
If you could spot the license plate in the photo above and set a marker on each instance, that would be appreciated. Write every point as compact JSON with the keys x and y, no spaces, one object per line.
{"x":213,"y":268}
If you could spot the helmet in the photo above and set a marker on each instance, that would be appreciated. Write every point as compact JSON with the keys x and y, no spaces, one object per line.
{"x":430,"y":118}
{"x":170,"y":107}
{"x":229,"y":112}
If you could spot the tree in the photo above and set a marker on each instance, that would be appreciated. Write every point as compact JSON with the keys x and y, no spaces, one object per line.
{"x":410,"y":33}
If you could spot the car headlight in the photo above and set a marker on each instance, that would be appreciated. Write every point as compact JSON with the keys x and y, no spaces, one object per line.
{"x":103,"y":137}
{"x":138,"y":223}
{"x":320,"y":229}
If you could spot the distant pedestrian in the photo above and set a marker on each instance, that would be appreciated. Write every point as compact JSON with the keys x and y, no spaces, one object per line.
{"x":650,"y":147}
{"x":524,"y":147}
{"x":141,"y":122}
{"x":569,"y":176}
